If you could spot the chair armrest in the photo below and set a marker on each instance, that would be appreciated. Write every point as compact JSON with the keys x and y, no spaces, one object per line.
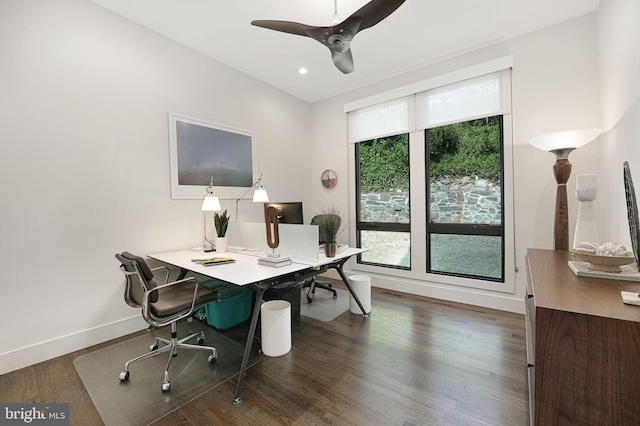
{"x":146,"y":303}
{"x":165,"y":269}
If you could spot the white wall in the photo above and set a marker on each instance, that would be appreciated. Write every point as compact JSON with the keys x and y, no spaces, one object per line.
{"x":84,"y":168}
{"x":619,"y":54}
{"x":555,"y":87}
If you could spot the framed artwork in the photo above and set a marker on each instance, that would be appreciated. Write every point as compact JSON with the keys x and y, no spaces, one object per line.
{"x":200,"y":150}
{"x":329,"y":179}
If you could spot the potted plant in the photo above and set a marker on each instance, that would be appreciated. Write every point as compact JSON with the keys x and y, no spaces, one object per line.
{"x":329,"y":222}
{"x":221,"y":222}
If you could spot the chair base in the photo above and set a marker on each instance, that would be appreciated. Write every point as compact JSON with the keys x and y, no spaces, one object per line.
{"x":313,"y":284}
{"x":172,"y":347}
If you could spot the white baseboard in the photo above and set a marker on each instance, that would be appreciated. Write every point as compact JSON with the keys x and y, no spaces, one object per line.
{"x":43,"y":351}
{"x":465,"y":295}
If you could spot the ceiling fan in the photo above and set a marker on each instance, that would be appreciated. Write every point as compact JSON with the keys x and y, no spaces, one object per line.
{"x":338,"y":37}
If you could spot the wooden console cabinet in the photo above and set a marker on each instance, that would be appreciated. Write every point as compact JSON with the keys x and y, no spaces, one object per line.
{"x":583,"y":345}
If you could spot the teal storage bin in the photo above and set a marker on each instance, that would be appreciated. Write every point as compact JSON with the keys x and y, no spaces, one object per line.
{"x":234,"y":307}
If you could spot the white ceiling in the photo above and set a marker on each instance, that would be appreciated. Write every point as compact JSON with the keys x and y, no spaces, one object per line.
{"x":420,"y":32}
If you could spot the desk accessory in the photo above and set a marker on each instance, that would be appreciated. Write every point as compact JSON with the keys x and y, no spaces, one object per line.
{"x":626,"y":273}
{"x":214,"y":261}
{"x":209,"y":203}
{"x":605,"y":263}
{"x":630,"y":298}
{"x":274,"y":262}
{"x":273,"y":236}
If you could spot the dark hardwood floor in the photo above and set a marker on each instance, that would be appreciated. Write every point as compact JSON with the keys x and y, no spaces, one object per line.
{"x":414,"y":361}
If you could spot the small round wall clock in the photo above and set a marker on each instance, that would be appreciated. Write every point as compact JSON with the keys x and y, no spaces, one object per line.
{"x":329,"y":179}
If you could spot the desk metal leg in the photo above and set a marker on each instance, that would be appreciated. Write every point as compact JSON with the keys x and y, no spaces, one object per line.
{"x":338,"y":267}
{"x":182,"y":274}
{"x":259,"y":291}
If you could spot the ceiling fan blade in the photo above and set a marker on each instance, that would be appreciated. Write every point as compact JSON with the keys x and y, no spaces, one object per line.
{"x":373,"y":12}
{"x":338,"y":37}
{"x":343,"y":60}
{"x":285,"y":27}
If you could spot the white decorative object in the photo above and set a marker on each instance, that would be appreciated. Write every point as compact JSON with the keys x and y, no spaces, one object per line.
{"x":221,"y":244}
{"x":586,"y":225}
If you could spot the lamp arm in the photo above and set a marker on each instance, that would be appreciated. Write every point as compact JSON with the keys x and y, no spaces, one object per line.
{"x":205,"y":233}
{"x":255,"y":185}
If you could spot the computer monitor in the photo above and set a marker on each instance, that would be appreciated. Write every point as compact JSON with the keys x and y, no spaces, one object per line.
{"x":290,"y":213}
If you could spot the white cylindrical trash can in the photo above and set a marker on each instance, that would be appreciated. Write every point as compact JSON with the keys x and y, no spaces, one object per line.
{"x":361,"y":285}
{"x":276,"y":327}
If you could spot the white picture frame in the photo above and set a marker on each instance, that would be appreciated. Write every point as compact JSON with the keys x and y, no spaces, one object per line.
{"x":200,"y":150}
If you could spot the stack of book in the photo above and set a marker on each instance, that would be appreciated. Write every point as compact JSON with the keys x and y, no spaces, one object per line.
{"x":214,"y":261}
{"x":275,"y":262}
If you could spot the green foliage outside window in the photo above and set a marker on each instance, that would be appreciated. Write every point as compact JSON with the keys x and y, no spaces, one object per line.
{"x":384,"y":164}
{"x":471,"y":148}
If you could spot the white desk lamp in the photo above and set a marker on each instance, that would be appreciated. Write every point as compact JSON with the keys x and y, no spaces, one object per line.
{"x":561,"y":144}
{"x":259,"y":195}
{"x":210,"y":203}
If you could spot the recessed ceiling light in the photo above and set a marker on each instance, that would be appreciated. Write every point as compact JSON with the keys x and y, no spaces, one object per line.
{"x":302,"y":70}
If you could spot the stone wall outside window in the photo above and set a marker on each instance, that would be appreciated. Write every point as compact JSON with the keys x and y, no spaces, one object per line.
{"x":464,"y":200}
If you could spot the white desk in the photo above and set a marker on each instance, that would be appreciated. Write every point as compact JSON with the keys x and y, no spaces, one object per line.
{"x":246,"y":271}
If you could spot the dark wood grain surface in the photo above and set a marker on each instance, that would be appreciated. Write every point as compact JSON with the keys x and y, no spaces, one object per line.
{"x":587,"y":346}
{"x":414,"y":361}
{"x":557,"y":287}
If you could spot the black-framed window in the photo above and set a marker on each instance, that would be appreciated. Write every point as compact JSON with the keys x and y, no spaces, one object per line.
{"x":383,"y":222}
{"x":465,"y":207}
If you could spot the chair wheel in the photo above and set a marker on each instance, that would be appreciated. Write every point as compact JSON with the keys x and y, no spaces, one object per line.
{"x":166,"y":386}
{"x":309,"y":300}
{"x":212,"y":359}
{"x":124,"y":376}
{"x":335,"y":295}
{"x":153,"y":347}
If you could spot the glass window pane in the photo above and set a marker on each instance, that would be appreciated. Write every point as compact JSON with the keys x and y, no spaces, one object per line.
{"x":476,"y":255}
{"x":465,"y":172}
{"x":386,"y":248}
{"x":384,"y":180}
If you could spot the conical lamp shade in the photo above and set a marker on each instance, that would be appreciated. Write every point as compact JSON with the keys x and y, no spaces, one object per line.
{"x":260,"y":195}
{"x":211,"y":203}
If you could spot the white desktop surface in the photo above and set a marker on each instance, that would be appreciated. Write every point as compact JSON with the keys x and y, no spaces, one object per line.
{"x":324,"y":260}
{"x":244,"y":271}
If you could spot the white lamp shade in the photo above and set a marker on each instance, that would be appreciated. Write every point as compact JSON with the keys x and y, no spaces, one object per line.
{"x":567,"y":139}
{"x":260,"y":195}
{"x":211,"y":203}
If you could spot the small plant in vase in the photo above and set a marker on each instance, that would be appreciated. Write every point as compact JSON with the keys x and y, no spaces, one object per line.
{"x":221,"y":222}
{"x":329,"y":222}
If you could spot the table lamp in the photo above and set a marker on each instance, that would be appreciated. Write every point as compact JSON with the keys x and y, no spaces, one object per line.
{"x":561,"y":144}
{"x":259,"y":195}
{"x":210,"y":203}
